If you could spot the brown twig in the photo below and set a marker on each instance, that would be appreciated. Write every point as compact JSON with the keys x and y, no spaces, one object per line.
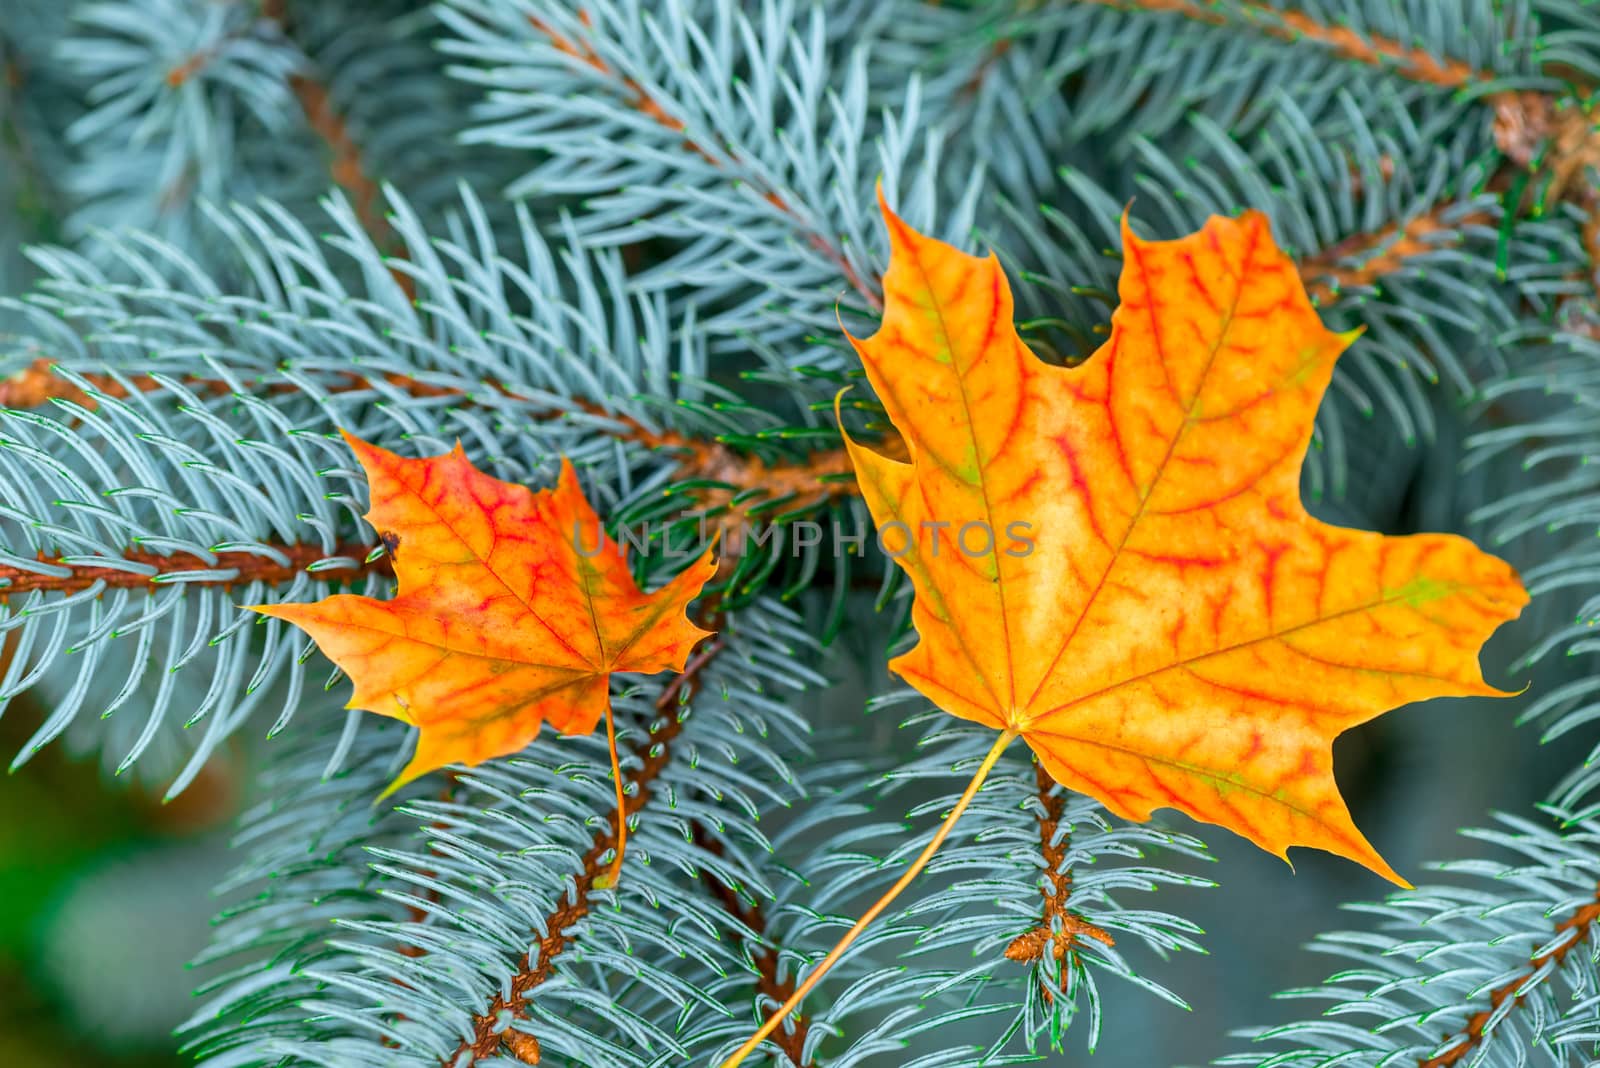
{"x":1059,"y":928}
{"x":348,"y":168}
{"x":276,"y":10}
{"x":824,"y":475}
{"x":231,"y":568}
{"x":1533,"y":133}
{"x":991,"y":56}
{"x":36,"y":384}
{"x":188,"y":68}
{"x":489,"y":1032}
{"x":792,"y":1040}
{"x":347,"y":165}
{"x":1414,"y":63}
{"x":1385,"y":252}
{"x":1473,"y":1032}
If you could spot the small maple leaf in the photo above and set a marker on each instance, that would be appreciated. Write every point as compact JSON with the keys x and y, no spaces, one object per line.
{"x":513,"y":609}
{"x":1170,"y":628}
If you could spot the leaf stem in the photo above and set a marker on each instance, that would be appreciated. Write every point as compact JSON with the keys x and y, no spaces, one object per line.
{"x":822,"y":969}
{"x":609,"y":879}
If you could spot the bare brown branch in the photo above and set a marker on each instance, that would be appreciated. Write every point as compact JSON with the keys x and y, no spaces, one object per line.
{"x":349,"y":168}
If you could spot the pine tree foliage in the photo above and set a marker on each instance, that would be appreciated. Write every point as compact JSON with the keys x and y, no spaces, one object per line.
{"x":628,"y":232}
{"x":739,"y":138}
{"x":445,"y":890}
{"x":1497,"y":965}
{"x":217,"y":479}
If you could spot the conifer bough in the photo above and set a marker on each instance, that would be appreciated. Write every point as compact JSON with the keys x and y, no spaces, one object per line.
{"x":622,"y":232}
{"x":1181,"y":632}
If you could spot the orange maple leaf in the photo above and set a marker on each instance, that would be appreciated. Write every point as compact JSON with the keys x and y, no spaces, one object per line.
{"x":1181,"y":633}
{"x":1112,"y":561}
{"x":513,"y":609}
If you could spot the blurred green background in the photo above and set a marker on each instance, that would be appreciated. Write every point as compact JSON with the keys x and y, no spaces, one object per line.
{"x":105,"y":894}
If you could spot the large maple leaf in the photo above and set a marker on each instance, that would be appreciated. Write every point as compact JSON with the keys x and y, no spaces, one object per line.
{"x":1112,"y":561}
{"x":513,"y":610}
{"x":1170,"y":627}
